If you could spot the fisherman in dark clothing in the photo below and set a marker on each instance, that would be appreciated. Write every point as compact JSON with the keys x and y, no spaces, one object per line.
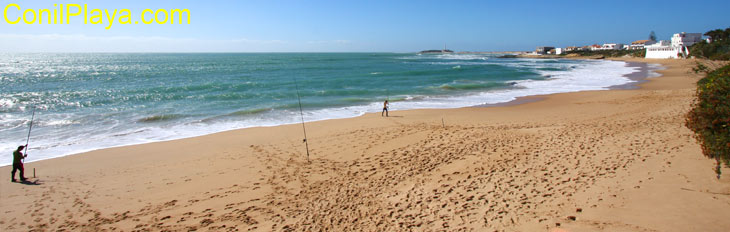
{"x":18,"y":164}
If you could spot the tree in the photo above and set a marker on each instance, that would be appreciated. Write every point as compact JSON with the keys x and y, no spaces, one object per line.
{"x":717,"y":49}
{"x":652,"y":36}
{"x":719,"y":35}
{"x":715,"y":35}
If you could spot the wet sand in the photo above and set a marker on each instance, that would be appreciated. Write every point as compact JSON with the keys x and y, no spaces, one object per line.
{"x":614,"y":160}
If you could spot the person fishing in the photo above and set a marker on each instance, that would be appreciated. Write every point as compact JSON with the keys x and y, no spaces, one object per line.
{"x":385,"y":109}
{"x":18,"y":157}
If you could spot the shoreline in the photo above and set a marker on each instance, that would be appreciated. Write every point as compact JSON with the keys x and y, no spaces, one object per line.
{"x":640,"y":76}
{"x":608,"y":160}
{"x":516,"y":101}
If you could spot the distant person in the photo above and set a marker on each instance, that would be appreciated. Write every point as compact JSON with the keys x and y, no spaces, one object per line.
{"x":18,"y":164}
{"x":385,"y":109}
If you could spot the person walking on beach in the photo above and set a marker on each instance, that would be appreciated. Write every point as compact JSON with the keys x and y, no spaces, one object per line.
{"x":18,"y":164}
{"x":385,"y":109}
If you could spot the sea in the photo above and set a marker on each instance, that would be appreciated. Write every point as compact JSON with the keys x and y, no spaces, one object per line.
{"x":86,"y":101}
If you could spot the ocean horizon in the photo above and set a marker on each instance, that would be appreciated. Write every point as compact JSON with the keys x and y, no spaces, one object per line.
{"x":89,"y":101}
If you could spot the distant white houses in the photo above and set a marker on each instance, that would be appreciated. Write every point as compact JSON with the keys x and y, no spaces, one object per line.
{"x":543,"y":50}
{"x":612,"y":46}
{"x":677,"y":48}
{"x":572,"y":49}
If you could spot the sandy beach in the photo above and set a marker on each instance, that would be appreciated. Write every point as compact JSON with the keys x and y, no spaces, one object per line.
{"x":613,"y":160}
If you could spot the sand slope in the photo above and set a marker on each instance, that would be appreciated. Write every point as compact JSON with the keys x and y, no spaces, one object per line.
{"x":618,"y":160}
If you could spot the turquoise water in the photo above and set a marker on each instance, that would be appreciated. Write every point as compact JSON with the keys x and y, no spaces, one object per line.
{"x":91,"y":101}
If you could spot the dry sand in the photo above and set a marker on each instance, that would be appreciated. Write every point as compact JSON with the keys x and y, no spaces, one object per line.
{"x":617,"y":160}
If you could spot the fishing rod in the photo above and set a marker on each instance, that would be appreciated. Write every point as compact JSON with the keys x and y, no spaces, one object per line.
{"x":301,"y":113}
{"x":29,"y":129}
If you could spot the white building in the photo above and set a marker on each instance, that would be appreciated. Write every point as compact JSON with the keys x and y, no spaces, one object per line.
{"x":686,"y":39}
{"x":558,"y":51}
{"x":676,"y":49}
{"x":640,"y":44}
{"x":612,"y":46}
{"x":572,"y":49}
{"x":543,"y":50}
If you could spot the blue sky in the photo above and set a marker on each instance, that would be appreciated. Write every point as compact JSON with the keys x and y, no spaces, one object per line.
{"x":367,"y":26}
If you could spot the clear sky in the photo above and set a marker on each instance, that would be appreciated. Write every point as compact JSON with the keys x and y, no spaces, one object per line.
{"x":366,"y":26}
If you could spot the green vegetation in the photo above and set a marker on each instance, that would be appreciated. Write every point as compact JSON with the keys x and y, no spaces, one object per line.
{"x":710,"y":114}
{"x":718,"y":49}
{"x":611,"y":53}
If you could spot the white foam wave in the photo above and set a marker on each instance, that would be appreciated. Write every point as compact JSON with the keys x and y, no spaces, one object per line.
{"x":449,"y":56}
{"x":6,"y":103}
{"x":61,"y":122}
{"x":653,"y":68}
{"x":458,"y":63}
{"x":462,"y":57}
